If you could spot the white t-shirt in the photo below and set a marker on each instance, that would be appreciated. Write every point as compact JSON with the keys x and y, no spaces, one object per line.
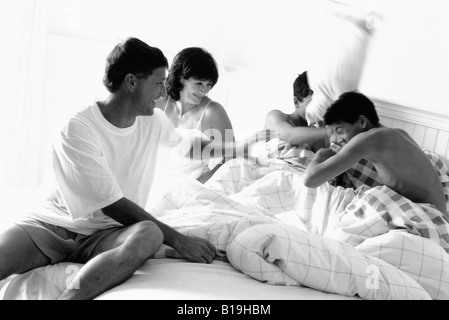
{"x":95,"y":164}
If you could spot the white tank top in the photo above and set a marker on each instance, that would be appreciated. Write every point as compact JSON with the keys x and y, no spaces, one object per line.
{"x":185,"y":166}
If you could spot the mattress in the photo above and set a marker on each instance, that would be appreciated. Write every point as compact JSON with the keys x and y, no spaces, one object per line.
{"x":163,"y":279}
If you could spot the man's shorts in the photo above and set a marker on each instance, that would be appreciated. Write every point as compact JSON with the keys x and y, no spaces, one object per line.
{"x":60,"y":244}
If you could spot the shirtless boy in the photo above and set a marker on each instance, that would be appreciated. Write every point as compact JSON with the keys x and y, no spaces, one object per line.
{"x":399,"y":161}
{"x":293,"y":128}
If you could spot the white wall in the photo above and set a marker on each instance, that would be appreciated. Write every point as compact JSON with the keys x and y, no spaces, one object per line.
{"x":54,"y":55}
{"x":408,"y":60}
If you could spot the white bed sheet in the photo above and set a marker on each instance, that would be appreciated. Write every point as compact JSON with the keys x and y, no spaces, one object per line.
{"x":178,"y":279}
{"x":163,"y":279}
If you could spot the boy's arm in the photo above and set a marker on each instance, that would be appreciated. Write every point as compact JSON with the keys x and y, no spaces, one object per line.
{"x":295,"y":135}
{"x":327,"y":164}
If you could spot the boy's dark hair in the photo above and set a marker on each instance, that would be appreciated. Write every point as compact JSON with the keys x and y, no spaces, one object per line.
{"x":191,"y":62}
{"x":349,"y":107}
{"x":132,"y":56}
{"x":301,"y":87}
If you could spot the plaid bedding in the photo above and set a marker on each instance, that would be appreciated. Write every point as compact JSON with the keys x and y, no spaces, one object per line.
{"x":377,"y":210}
{"x":359,"y":175}
{"x":282,"y":255}
{"x":443,"y":173}
{"x":245,"y":204}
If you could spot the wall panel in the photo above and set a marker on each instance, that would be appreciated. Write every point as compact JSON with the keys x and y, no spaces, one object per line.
{"x":429,"y":130}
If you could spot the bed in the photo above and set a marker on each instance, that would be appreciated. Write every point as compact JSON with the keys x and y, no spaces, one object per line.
{"x":278,"y":240}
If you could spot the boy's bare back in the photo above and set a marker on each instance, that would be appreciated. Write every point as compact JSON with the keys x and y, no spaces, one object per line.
{"x":403,"y":166}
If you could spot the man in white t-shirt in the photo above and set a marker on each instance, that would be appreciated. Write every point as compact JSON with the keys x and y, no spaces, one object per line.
{"x":104,"y":163}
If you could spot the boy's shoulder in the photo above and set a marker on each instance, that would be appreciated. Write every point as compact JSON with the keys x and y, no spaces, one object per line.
{"x":276,"y":113}
{"x":384,"y":138}
{"x":276,"y":116}
{"x":382,"y":132}
{"x":374,"y":138}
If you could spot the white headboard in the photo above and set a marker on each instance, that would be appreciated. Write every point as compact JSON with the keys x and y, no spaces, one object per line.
{"x":430,"y":130}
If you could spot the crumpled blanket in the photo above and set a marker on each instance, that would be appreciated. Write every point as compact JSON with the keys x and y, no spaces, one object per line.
{"x":370,"y":242}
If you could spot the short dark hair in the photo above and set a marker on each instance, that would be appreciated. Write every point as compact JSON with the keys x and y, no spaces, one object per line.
{"x":132,"y":56}
{"x":191,"y":62}
{"x":301,"y":87}
{"x":349,"y":107}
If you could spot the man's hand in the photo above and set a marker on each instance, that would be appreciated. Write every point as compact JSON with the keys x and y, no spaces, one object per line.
{"x":195,"y":249}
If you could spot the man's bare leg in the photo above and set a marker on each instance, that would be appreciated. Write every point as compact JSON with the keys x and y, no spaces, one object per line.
{"x":115,"y":260}
{"x":18,"y":252}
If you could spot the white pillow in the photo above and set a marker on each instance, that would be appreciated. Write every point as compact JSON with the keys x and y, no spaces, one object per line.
{"x":340,"y":48}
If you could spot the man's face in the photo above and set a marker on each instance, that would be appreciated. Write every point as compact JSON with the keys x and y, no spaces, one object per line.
{"x":342,"y":132}
{"x":150,"y":89}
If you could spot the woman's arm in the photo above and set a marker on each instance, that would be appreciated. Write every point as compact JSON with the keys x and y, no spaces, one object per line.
{"x":203,"y":149}
{"x":222,"y":140}
{"x":216,"y":123}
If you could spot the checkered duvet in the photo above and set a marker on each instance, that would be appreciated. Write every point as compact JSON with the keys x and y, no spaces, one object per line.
{"x":369,"y":242}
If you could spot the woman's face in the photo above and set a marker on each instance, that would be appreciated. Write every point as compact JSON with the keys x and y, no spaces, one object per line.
{"x":194,"y":90}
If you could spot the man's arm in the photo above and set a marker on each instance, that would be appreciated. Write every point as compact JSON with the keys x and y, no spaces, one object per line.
{"x":327,"y":164}
{"x":127,"y":213}
{"x":294,"y":135}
